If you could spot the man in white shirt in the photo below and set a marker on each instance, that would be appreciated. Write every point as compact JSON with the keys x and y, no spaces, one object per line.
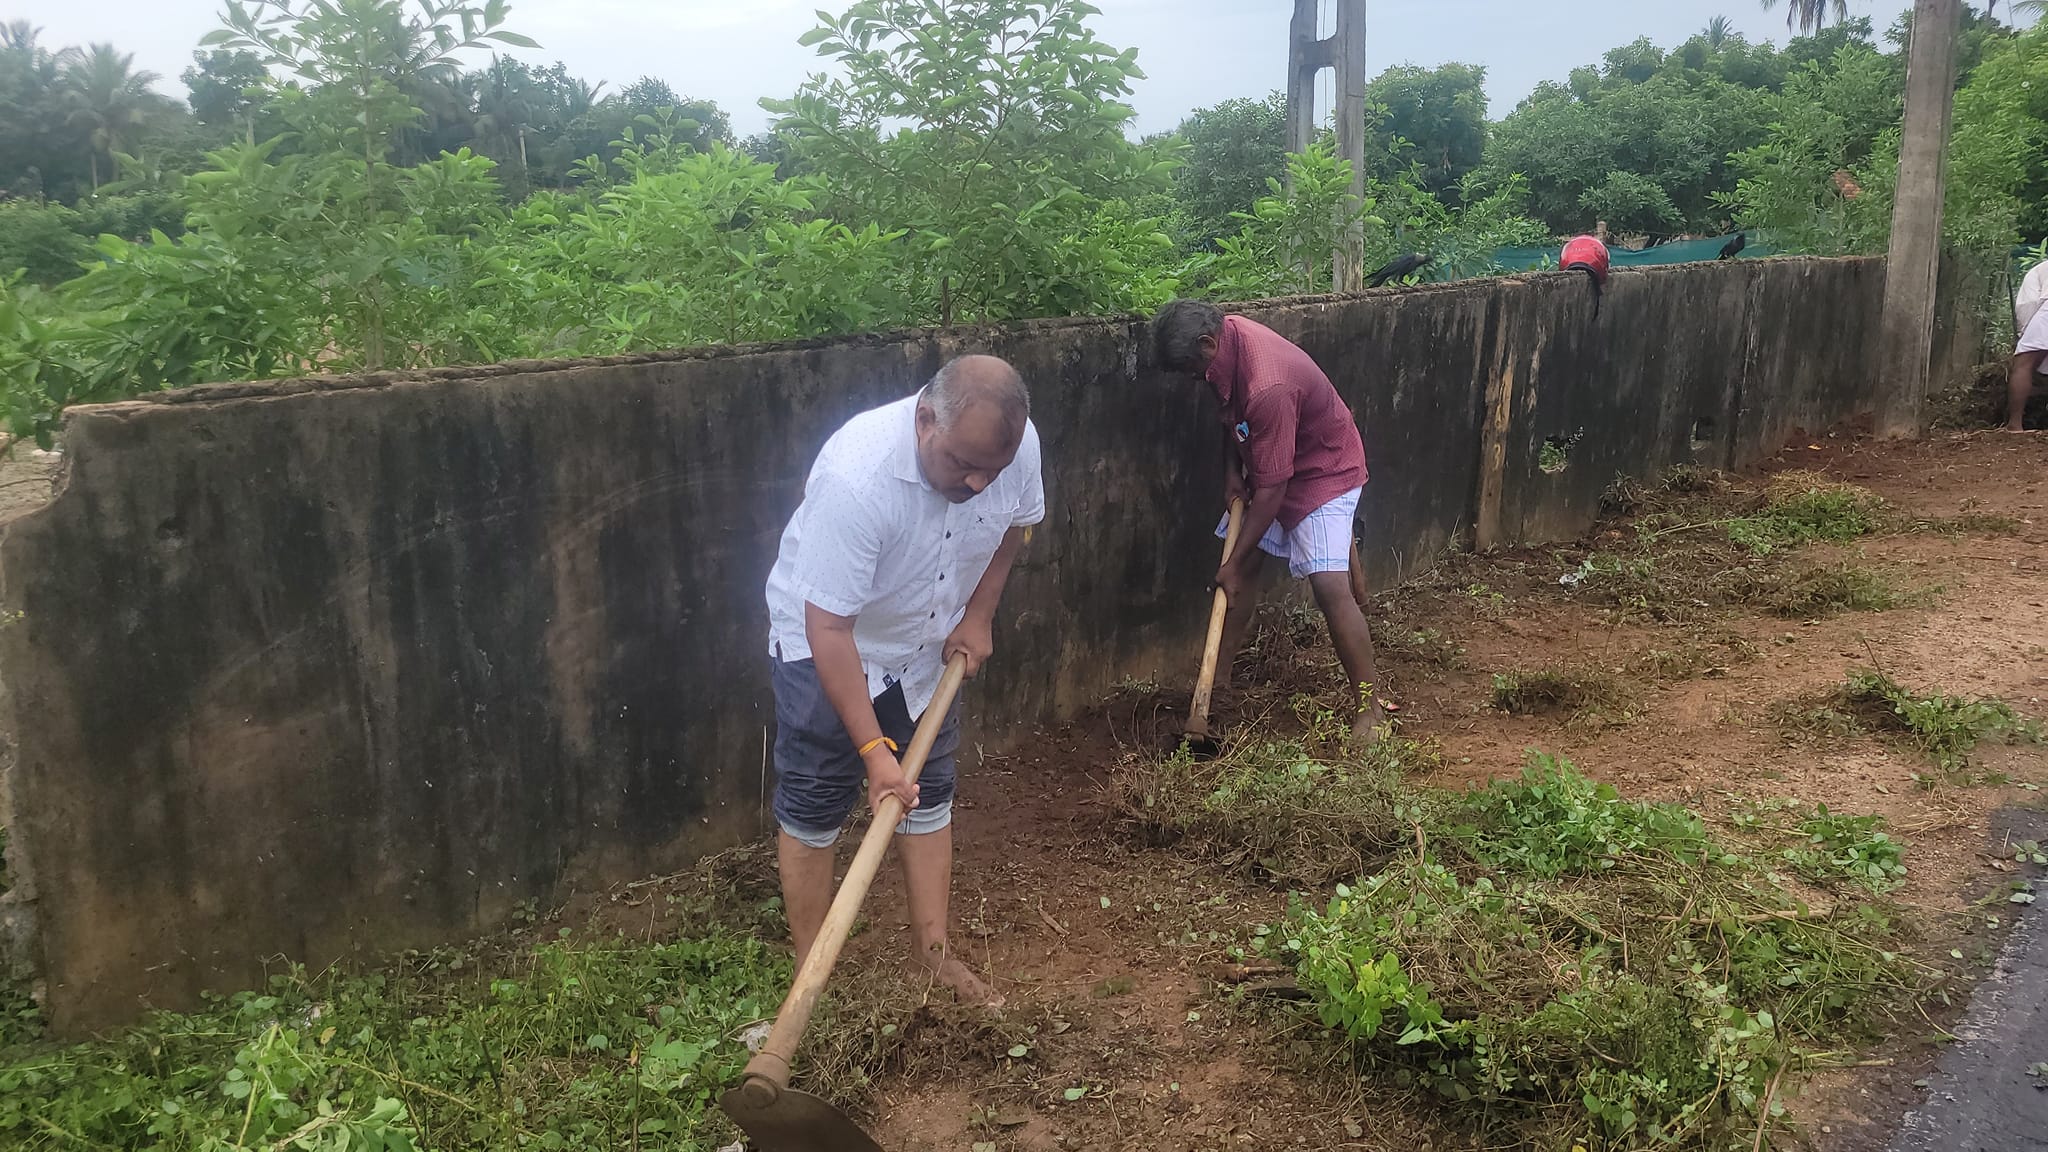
{"x":895,"y":560}
{"x":2027,"y":359}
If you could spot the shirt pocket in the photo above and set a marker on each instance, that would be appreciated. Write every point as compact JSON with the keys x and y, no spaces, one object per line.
{"x":979,"y":534}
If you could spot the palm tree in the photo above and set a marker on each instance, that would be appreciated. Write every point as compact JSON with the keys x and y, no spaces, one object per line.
{"x":2024,"y":9}
{"x":1810,"y":16}
{"x":110,"y":102}
{"x":504,"y":109}
{"x":1719,"y":29}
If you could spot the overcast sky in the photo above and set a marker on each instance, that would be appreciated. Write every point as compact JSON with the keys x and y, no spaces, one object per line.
{"x":1195,"y":52}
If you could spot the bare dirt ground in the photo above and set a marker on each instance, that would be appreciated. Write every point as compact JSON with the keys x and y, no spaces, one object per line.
{"x":1109,"y":952}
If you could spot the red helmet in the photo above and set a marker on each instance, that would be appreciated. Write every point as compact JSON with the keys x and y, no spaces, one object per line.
{"x":1587,"y":254}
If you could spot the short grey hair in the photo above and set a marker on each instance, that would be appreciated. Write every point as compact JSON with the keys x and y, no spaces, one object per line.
{"x":1178,"y":330}
{"x":969,"y":380}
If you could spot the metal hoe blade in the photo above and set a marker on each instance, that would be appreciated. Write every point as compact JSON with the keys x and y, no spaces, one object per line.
{"x":793,"y":1121}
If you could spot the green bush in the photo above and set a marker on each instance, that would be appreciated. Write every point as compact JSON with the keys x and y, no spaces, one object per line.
{"x":42,"y":242}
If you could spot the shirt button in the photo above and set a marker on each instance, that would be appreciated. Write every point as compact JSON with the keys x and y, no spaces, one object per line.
{"x":935,"y":615}
{"x":949,"y":535}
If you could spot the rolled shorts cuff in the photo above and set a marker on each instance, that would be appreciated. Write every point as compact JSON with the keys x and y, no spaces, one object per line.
{"x":921,"y":822}
{"x":1320,"y":543}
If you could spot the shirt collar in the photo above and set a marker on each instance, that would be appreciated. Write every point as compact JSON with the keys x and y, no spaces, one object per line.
{"x":903,"y":454}
{"x":1222,"y":372}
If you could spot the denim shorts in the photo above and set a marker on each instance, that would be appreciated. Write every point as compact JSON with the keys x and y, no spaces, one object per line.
{"x":819,"y":776}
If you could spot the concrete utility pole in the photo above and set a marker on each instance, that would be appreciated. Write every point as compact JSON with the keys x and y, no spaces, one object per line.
{"x":1913,"y":270}
{"x":1344,"y":54}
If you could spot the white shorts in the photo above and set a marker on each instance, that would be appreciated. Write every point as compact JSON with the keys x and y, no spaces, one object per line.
{"x":2035,"y":338}
{"x":1320,"y":543}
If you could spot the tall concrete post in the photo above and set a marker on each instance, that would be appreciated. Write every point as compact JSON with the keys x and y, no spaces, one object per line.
{"x":1913,"y":270}
{"x":1349,"y":62}
{"x":1344,"y":53}
{"x":1306,"y":56}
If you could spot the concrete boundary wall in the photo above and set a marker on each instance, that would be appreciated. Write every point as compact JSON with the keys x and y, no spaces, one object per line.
{"x":329,"y":667}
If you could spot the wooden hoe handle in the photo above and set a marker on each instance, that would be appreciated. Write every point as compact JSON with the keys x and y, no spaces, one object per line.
{"x":768,"y":1072}
{"x":1198,"y":713}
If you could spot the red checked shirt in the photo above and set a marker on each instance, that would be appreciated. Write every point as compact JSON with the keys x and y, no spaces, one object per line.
{"x":1290,"y":425}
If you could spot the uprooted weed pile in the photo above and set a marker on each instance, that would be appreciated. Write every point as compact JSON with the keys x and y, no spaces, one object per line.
{"x":1698,"y":541}
{"x":559,"y":1043}
{"x":1946,"y":729}
{"x":1556,"y":964}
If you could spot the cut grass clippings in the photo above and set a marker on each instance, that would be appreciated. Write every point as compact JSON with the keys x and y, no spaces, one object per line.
{"x":1832,"y":590}
{"x":1295,"y":812}
{"x":1802,"y":507}
{"x":1553,"y":963}
{"x":1585,"y":695}
{"x":557,"y":1044}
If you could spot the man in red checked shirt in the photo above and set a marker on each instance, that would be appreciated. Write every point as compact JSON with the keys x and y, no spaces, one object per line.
{"x":1293,"y":451}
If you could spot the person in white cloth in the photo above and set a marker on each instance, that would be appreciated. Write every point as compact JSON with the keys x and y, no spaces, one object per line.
{"x":896,"y":559}
{"x":2033,"y":346}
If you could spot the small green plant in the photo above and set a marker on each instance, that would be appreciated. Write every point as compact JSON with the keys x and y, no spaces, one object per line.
{"x":1553,"y":821}
{"x":1853,"y":848}
{"x":1801,"y":507}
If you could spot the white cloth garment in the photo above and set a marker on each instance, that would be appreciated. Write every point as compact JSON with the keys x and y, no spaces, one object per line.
{"x":2034,"y":337}
{"x":2032,"y":294}
{"x":1320,"y":543}
{"x":873,"y":540}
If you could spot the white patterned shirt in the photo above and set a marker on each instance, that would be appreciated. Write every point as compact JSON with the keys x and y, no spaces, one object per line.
{"x":873,"y":540}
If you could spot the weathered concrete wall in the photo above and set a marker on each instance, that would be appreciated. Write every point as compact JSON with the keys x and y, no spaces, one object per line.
{"x":336,"y":666}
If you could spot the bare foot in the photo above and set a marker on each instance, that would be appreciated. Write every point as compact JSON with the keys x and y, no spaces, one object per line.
{"x":1369,"y":728}
{"x":967,"y":985}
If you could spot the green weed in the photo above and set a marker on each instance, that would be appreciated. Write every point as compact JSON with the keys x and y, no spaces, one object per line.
{"x":1802,"y":507}
{"x":1853,"y":848}
{"x":1651,"y":1006}
{"x":1554,"y":822}
{"x":1545,"y":956}
{"x":1944,"y":728}
{"x":564,"y":1047}
{"x":1424,"y":646}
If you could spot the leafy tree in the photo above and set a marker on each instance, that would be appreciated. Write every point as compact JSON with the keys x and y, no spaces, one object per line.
{"x":1433,"y":119}
{"x":109,"y":103}
{"x":990,"y":133}
{"x":1228,"y":154}
{"x":1998,"y":157}
{"x":1810,"y":14}
{"x":1818,"y":180}
{"x":359,"y":62}
{"x":41,"y":242}
{"x":37,"y":157}
{"x":691,"y":248}
{"x":226,"y":89}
